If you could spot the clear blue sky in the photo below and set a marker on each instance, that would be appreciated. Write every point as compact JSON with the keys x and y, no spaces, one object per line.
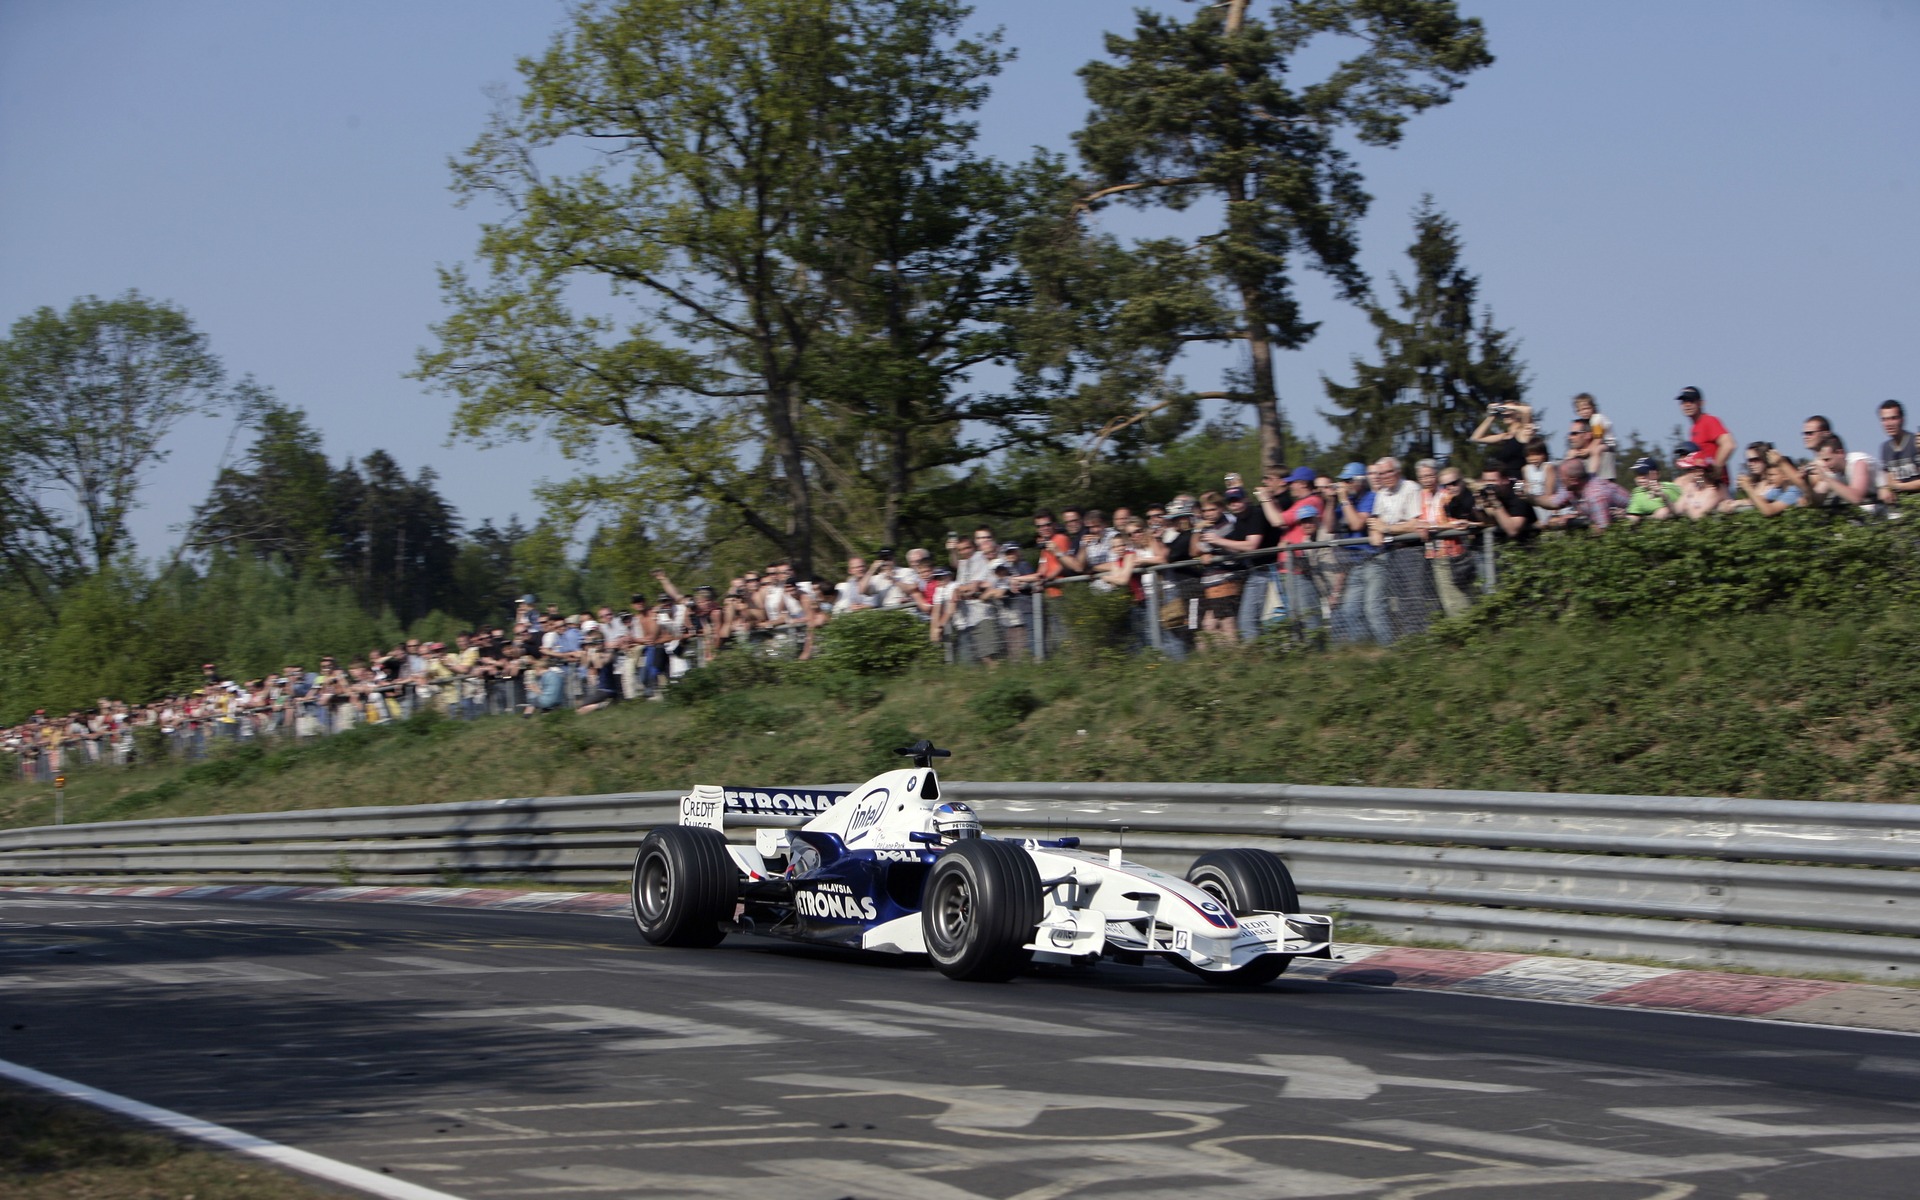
{"x":1654,"y":194}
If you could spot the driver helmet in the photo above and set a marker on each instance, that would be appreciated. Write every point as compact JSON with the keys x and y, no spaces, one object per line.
{"x":954,"y":821}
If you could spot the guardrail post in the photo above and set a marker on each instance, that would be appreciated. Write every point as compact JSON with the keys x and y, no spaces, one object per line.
{"x":1153,"y":608}
{"x":1039,"y":625}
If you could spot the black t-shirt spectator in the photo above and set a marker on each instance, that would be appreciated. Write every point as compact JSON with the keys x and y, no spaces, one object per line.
{"x":1251,"y":521}
{"x":1509,"y":454}
{"x":1179,"y":550}
{"x":1515,"y":506}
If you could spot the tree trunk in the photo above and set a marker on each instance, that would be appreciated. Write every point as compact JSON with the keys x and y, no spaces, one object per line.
{"x":1266,"y":397}
{"x":785,"y":415}
{"x":899,"y":478}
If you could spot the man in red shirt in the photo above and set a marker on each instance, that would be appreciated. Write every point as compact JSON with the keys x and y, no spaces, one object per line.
{"x":1709,"y":436}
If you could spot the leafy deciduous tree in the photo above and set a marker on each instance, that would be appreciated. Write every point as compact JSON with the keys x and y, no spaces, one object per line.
{"x":86,"y":398}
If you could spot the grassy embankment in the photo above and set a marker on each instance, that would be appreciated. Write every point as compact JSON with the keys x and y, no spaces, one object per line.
{"x":1767,"y":705}
{"x":53,"y":1149}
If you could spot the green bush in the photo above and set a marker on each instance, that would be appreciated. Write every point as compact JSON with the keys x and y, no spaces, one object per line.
{"x":1096,"y":621}
{"x":1801,"y":561}
{"x":1002,"y":704}
{"x":876,"y":642}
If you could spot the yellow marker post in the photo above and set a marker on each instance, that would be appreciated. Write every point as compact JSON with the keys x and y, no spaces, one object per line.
{"x":59,"y":799}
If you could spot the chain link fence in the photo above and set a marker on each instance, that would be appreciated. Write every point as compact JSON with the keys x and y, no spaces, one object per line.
{"x":1313,"y":593}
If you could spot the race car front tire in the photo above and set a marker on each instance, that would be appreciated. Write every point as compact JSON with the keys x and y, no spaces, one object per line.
{"x":683,"y":886}
{"x":1246,"y":881}
{"x":980,"y":908}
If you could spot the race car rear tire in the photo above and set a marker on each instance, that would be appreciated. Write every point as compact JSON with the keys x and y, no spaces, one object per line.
{"x":1246,"y":881}
{"x":979,"y":911}
{"x":684,"y":885}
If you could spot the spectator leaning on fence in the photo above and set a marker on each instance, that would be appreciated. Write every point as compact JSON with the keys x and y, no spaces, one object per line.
{"x":1836,"y":478}
{"x":1511,"y":515}
{"x":1396,"y":513}
{"x":1700,"y":492}
{"x":1652,"y":499}
{"x":1770,"y":485}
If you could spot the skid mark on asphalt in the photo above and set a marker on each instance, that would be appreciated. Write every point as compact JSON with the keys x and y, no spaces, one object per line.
{"x":854,"y":1024}
{"x":988,"y":1107}
{"x":1310,"y":1076}
{"x":680,"y":1033}
{"x":1611,"y":1162}
{"x":973,"y":1018}
{"x":1607,"y":1075}
{"x":1724,"y":1120}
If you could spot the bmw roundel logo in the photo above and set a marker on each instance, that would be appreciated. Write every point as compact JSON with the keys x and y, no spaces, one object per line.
{"x":1209,"y":906}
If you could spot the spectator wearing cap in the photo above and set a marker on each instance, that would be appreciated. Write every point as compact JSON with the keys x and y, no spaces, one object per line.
{"x":1652,"y":500}
{"x":1708,"y":435}
{"x":1899,"y":456}
{"x":1295,"y":524}
{"x":1836,"y":478}
{"x":1221,"y":578}
{"x":1252,"y":531}
{"x":1345,"y":520}
{"x":1365,"y":596}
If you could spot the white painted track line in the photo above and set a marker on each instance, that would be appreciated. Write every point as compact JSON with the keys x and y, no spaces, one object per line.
{"x":303,"y":1161}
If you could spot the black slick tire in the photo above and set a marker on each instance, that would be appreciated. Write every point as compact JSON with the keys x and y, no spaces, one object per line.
{"x":981,"y":905}
{"x":1246,"y":881}
{"x":684,"y":885}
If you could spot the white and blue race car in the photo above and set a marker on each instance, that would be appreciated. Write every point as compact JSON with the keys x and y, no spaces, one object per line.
{"x":893,"y":867}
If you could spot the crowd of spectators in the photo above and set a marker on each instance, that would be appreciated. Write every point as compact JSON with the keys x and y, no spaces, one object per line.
{"x":1368,"y":553}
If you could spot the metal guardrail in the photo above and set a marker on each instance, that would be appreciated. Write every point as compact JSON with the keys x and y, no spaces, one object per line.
{"x":1781,"y":885}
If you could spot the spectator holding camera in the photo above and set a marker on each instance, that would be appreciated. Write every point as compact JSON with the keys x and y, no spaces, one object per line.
{"x":1500,"y":505}
{"x":1506,"y":447}
{"x":1836,"y":478}
{"x":1651,"y":500}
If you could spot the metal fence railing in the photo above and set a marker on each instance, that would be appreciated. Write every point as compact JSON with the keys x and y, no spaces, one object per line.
{"x":1769,"y":884}
{"x":1325,"y":591}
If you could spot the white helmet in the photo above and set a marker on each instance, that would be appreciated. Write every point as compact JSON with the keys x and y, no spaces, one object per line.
{"x":954,"y":821}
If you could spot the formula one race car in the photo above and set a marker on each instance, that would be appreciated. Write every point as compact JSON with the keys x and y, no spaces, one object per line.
{"x":891,"y":866}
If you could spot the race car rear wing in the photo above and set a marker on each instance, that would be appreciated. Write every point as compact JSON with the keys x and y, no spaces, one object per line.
{"x":714,"y":806}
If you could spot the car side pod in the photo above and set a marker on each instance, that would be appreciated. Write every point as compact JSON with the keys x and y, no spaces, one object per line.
{"x":979,"y":911}
{"x":684,"y":885}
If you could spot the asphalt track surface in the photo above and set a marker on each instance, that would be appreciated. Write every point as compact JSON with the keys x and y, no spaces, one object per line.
{"x":505,"y":1054}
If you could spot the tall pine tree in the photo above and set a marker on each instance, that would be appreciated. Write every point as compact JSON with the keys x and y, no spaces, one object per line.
{"x":1220,"y":110}
{"x":1441,"y":363}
